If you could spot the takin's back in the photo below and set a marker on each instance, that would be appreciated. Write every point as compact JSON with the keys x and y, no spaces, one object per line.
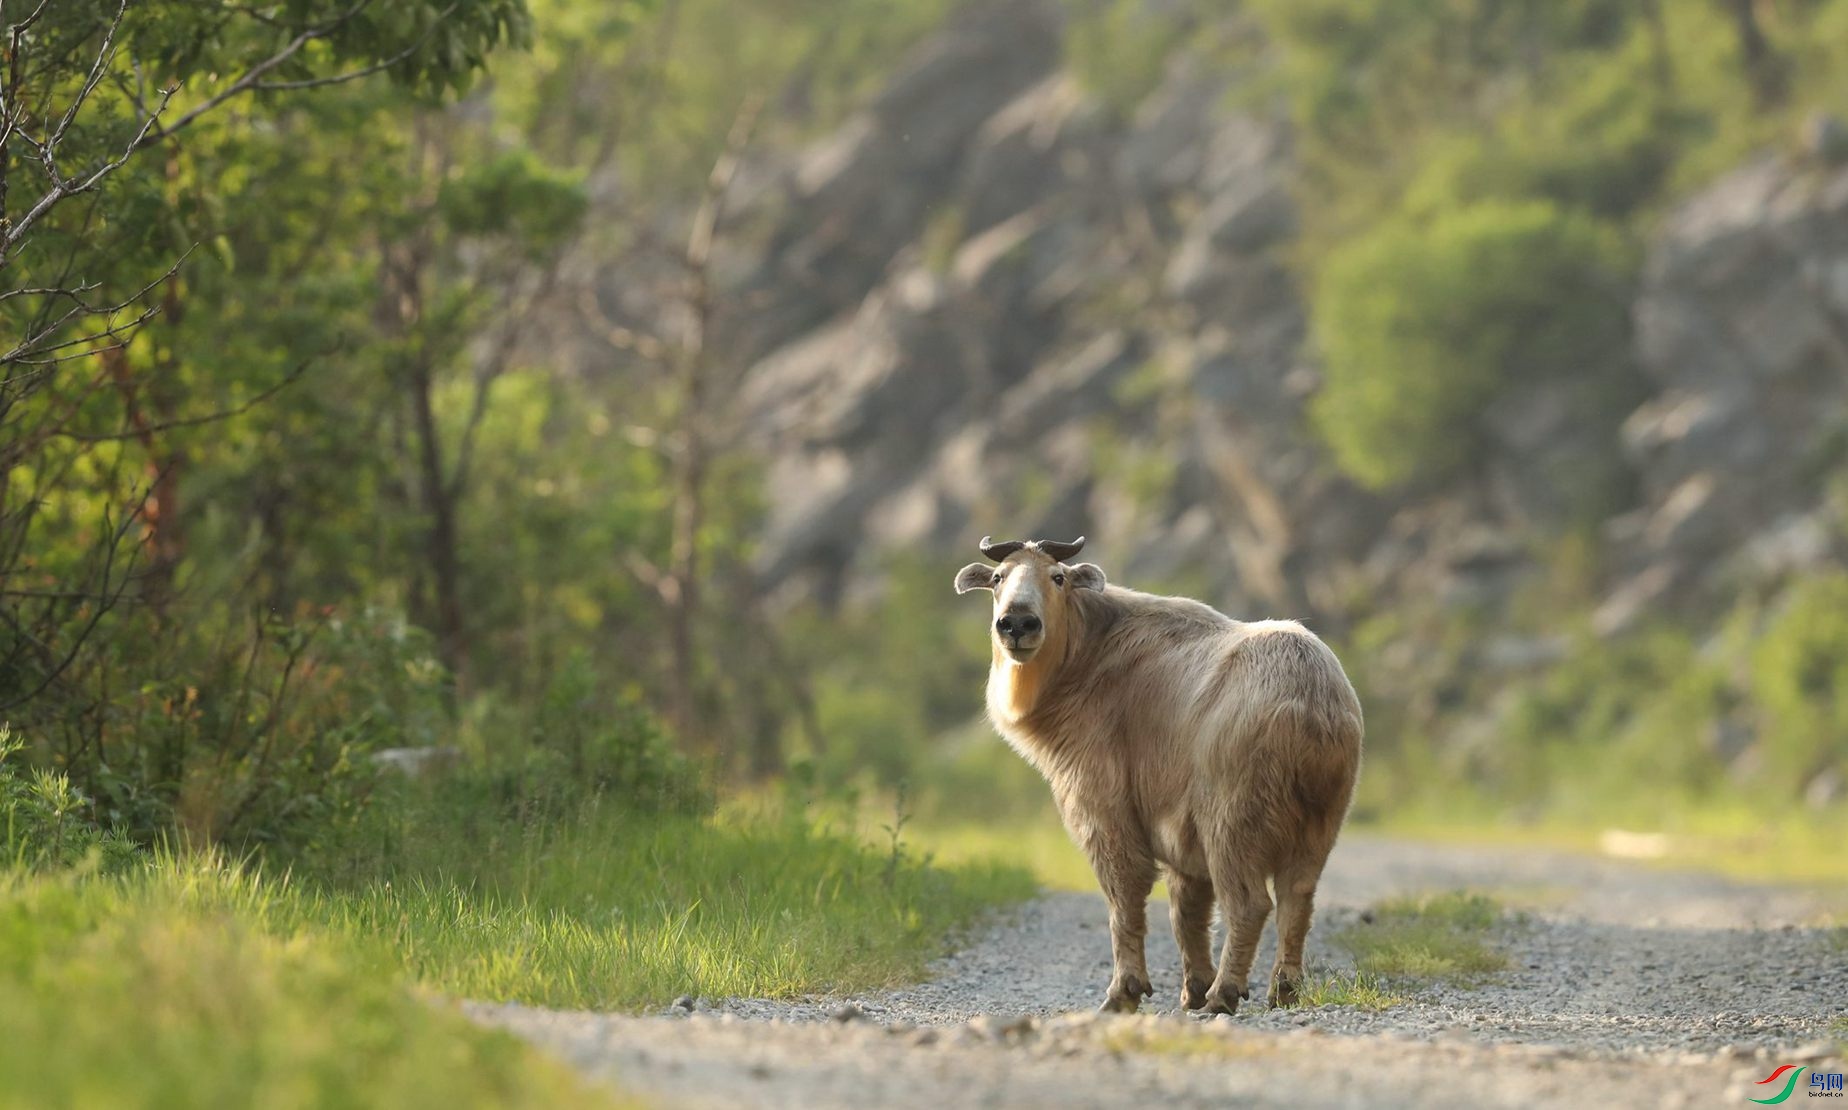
{"x":1218,"y":694}
{"x":1270,"y":671}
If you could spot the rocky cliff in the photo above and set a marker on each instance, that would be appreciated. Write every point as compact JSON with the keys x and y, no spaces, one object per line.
{"x":989,"y":303}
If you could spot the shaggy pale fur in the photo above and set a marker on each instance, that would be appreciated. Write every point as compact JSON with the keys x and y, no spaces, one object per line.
{"x":1222,"y":751}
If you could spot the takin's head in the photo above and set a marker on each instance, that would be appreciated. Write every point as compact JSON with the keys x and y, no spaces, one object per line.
{"x":1033,"y":587}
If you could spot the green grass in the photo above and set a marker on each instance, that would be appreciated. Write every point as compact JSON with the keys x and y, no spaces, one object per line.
{"x":173,"y":988}
{"x":189,"y":980}
{"x":1756,"y":843}
{"x":609,"y":911}
{"x":1442,"y":938}
{"x":1039,"y":844}
{"x":1362,"y":990}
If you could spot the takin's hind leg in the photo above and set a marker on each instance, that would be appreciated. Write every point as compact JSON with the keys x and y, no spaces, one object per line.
{"x":1190,"y":912}
{"x":1296,"y":883}
{"x":1246,"y":905}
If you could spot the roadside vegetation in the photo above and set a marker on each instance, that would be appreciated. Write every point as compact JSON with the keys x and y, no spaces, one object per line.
{"x":289,"y":490}
{"x":1403,"y":944}
{"x":1721,"y":749}
{"x":1357,"y":989}
{"x":1442,"y":938}
{"x":603,"y":908}
{"x":177,"y":987}
{"x":328,"y":982}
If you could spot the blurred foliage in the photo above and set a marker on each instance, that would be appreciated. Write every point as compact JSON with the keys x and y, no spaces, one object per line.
{"x":512,"y":194}
{"x":1119,"y":50}
{"x":881,"y":711}
{"x":1478,"y":172}
{"x":1752,"y":712}
{"x":350,"y":487}
{"x":582,"y":742}
{"x":336,"y":493}
{"x":1423,"y":323}
{"x":1477,"y":179}
{"x":1799,"y":679}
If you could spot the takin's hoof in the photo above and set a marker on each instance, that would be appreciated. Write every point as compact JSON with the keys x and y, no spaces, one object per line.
{"x":1125,"y":995}
{"x":1193,"y":994}
{"x":1222,"y":1001}
{"x":1283,"y":990}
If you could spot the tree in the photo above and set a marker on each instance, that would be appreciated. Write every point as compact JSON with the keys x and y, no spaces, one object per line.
{"x":129,"y":131}
{"x":476,"y":254}
{"x":693,"y":90}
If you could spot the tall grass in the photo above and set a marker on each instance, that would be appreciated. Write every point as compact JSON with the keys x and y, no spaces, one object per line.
{"x":184,"y":978}
{"x":614,"y":910}
{"x":173,"y":987}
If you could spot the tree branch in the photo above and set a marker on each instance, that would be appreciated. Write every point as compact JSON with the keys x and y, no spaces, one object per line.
{"x":191,"y":421}
{"x":152,"y":131}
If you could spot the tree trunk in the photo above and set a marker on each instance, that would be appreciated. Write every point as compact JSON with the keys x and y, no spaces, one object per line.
{"x":439,"y":506}
{"x":160,"y":508}
{"x":1662,"y":62}
{"x":683,"y":555}
{"x":438,"y":608}
{"x":692,"y":456}
{"x":1764,"y":68}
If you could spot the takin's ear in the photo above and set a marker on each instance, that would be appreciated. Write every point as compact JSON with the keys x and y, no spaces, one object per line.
{"x":1085,"y":576}
{"x":975,"y":576}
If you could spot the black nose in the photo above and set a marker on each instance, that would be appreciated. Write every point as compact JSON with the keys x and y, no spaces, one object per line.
{"x":1018,"y":624}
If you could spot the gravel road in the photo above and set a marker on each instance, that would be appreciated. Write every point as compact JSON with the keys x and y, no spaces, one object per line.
{"x":1630,"y":986}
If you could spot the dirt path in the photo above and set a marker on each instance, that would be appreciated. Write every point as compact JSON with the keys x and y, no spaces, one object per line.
{"x":1630,"y":986}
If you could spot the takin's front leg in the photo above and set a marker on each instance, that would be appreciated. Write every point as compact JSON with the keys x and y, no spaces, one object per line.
{"x":1126,"y":871}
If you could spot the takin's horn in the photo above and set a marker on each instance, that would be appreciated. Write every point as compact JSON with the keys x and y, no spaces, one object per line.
{"x":1000,"y":551}
{"x":1062,"y":551}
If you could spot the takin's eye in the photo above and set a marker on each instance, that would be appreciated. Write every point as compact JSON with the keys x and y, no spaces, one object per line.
{"x":998,"y":577}
{"x":1058,"y":580}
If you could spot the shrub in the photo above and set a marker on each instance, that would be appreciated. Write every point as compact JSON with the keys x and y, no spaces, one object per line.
{"x":237,"y":731}
{"x":580,"y":743}
{"x":1120,"y":49}
{"x":1422,"y":324}
{"x":44,"y":822}
{"x":611,"y":746}
{"x":1799,"y":678}
{"x":1595,"y":145}
{"x":877,"y":707}
{"x":1611,"y":716}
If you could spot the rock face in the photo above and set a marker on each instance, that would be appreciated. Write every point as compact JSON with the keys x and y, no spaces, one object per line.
{"x":1742,"y":329}
{"x":988,"y":304}
{"x":860,"y":197}
{"x":1056,"y":322}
